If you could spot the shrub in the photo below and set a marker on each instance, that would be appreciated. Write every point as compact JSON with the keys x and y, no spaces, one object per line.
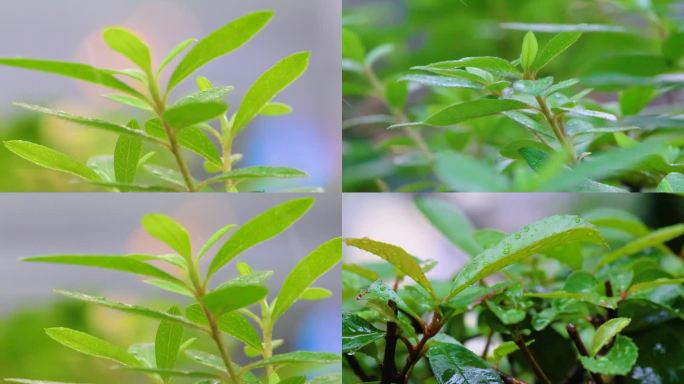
{"x":564,"y":299}
{"x":210,"y":309}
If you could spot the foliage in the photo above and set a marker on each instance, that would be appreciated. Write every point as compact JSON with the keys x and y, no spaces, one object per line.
{"x":172,"y":127}
{"x":549,"y":303}
{"x":213,"y":310}
{"x":514,"y":122}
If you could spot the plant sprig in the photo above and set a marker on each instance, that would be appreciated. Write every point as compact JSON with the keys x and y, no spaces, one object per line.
{"x":213,"y":310}
{"x":176,"y":127}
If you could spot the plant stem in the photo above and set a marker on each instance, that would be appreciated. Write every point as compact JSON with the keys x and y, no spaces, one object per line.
{"x":556,"y":123}
{"x":509,"y":379}
{"x":267,"y":332}
{"x":399,"y":116}
{"x":357,"y":368}
{"x":520,"y":342}
{"x":485,"y":352}
{"x":612,"y":313}
{"x":389,"y":367}
{"x":574,"y":335}
{"x":415,"y":353}
{"x":159,"y":108}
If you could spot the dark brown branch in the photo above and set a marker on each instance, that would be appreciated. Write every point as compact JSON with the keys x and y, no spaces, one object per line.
{"x":574,"y":335}
{"x":520,"y":342}
{"x":417,"y":351}
{"x":357,"y":368}
{"x":485,"y":352}
{"x":612,"y":313}
{"x":509,"y":379}
{"x":389,"y":367}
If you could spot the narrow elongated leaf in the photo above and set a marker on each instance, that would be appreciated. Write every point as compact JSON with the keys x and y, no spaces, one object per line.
{"x":488,"y":63}
{"x":529,"y":51}
{"x":534,"y":238}
{"x":27,"y":381}
{"x":462,"y":173}
{"x":306,"y":272}
{"x":357,"y":333}
{"x":456,"y":364}
{"x":207,"y":359}
{"x":129,"y":308}
{"x":258,"y":172}
{"x":652,"y":239}
{"x":127,"y":155}
{"x":453,"y":224}
{"x":618,"y":361}
{"x":396,"y":256}
{"x":126,"y":263}
{"x":270,"y":84}
{"x":216,"y":94}
{"x":128,"y":44}
{"x":191,"y":138}
{"x":74,"y":70}
{"x":167,"y":230}
{"x":673,"y":182}
{"x":130,"y":101}
{"x":92,"y":346}
{"x":177,"y":50}
{"x":167,"y":343}
{"x":177,"y":373}
{"x":88,"y":122}
{"x":231,"y":323}
{"x":606,"y":332}
{"x":169,"y":286}
{"x":221,"y":42}
{"x":259,"y":229}
{"x":191,"y":113}
{"x":216,"y":236}
{"x":557,"y":45}
{"x":315,"y":293}
{"x":441,"y":81}
{"x":468,"y":110}
{"x":231,"y":297}
{"x":298,"y":357}
{"x":51,"y":159}
{"x":275,"y":109}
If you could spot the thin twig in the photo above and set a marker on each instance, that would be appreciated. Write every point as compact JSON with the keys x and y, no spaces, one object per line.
{"x":389,"y":368}
{"x":357,"y":368}
{"x":485,"y":352}
{"x":574,"y":335}
{"x":520,"y":342}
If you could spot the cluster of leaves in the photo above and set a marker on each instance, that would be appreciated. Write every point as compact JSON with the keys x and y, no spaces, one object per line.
{"x":495,"y":124}
{"x":566,"y":299}
{"x":213,"y":310}
{"x":173,"y":126}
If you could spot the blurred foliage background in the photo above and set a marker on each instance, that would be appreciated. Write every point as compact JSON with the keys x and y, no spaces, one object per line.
{"x":429,"y":31}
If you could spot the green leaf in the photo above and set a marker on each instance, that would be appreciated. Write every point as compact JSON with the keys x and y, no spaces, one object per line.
{"x":258,"y":172}
{"x":673,"y":182}
{"x":207,"y":359}
{"x":275,"y":109}
{"x":127,"y":263}
{"x":177,"y":373}
{"x":130,"y":101}
{"x":88,"y":122}
{"x":452,"y":223}
{"x":618,"y":361}
{"x":192,"y":138}
{"x":396,"y":256}
{"x":51,"y":159}
{"x":74,"y":70}
{"x":298,"y":357}
{"x":529,"y":51}
{"x":270,"y":84}
{"x":534,"y":238}
{"x":557,"y":45}
{"x":533,"y":87}
{"x":129,"y":308}
{"x":633,"y":100}
{"x":177,"y":50}
{"x":221,"y":42}
{"x":654,"y":284}
{"x":214,"y":94}
{"x":127,"y":155}
{"x":230,"y":297}
{"x":169,"y":286}
{"x":165,"y":229}
{"x":441,"y":81}
{"x":125,"y":42}
{"x":378,"y":294}
{"x":167,"y":343}
{"x":366,"y":273}
{"x":469,"y":110}
{"x":357,"y":333}
{"x":91,"y":345}
{"x":606,"y":332}
{"x":263,"y":227}
{"x":462,"y":173}
{"x":216,"y":236}
{"x":294,"y":380}
{"x":456,"y":364}
{"x":231,"y":323}
{"x":652,"y":239}
{"x":488,"y":63}
{"x":27,"y":381}
{"x":315,"y":293}
{"x":191,"y":113}
{"x":306,"y":272}
{"x":352,"y":47}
